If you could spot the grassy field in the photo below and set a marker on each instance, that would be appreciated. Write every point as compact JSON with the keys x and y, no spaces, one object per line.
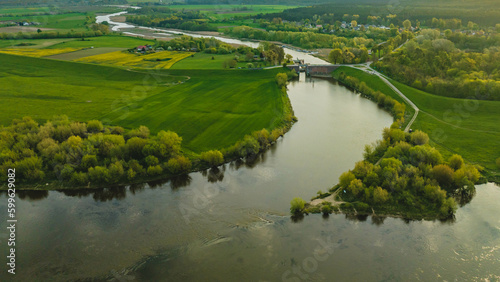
{"x":66,"y":21}
{"x":33,"y":52}
{"x":41,"y":88}
{"x":466,"y":127}
{"x":204,"y":61}
{"x":84,"y":53}
{"x":212,"y":109}
{"x":31,"y":43}
{"x":23,"y":10}
{"x":104,"y":41}
{"x":163,"y":59}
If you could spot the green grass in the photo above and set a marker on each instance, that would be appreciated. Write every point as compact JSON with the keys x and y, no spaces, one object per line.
{"x":375,"y":83}
{"x":41,"y":88}
{"x":470,"y":128}
{"x":65,"y":21}
{"x":213,"y":109}
{"x":21,"y":11}
{"x":104,"y":41}
{"x":84,"y":53}
{"x":38,"y":43}
{"x":204,"y":61}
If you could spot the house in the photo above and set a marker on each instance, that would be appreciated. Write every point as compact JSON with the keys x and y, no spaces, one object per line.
{"x":142,"y":48}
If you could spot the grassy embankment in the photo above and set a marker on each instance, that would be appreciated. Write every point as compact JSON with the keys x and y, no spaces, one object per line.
{"x":211,"y":110}
{"x":455,"y":126}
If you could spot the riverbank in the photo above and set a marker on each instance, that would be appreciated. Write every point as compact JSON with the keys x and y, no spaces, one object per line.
{"x":451,"y":132}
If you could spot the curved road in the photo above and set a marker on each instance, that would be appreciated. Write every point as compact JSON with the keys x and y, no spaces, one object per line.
{"x":366,"y":68}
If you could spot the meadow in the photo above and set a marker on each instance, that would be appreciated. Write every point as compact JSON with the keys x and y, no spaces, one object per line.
{"x":212,"y":110}
{"x":104,"y":41}
{"x":209,"y":108}
{"x":455,"y":126}
{"x":162,"y":59}
{"x":34,"y":52}
{"x":42,"y":88}
{"x":204,"y":61}
{"x":84,"y":53}
{"x":65,"y":21}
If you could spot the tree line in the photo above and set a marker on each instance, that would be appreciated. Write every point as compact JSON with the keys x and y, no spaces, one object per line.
{"x":402,"y":175}
{"x":90,"y":154}
{"x":170,"y":18}
{"x":433,"y":63}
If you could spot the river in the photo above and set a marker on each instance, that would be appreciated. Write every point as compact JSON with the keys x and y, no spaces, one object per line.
{"x":233,"y":224}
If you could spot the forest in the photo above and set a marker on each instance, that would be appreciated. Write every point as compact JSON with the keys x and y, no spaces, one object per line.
{"x":485,"y":12}
{"x":452,"y":64}
{"x":169,"y":18}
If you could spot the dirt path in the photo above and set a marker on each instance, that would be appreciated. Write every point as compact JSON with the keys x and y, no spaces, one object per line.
{"x":330,"y":199}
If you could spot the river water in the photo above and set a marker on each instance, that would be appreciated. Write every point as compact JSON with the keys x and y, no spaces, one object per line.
{"x":232,"y":224}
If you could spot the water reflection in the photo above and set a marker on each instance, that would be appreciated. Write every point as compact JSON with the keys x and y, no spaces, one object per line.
{"x":212,"y":175}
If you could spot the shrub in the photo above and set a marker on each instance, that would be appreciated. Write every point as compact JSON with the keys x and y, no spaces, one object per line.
{"x":380,"y":195}
{"x":88,"y":161}
{"x":212,"y":157}
{"x":456,"y":161}
{"x":98,"y":174}
{"x":155,"y":170}
{"x":326,"y":208}
{"x":419,"y":138}
{"x":94,"y":126}
{"x":443,"y":174}
{"x":346,"y":178}
{"x":297,"y":206}
{"x":79,"y":178}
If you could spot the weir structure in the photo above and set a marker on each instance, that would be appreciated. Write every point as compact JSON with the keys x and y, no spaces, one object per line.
{"x":314,"y":70}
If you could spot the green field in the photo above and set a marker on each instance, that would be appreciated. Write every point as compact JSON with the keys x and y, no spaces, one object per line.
{"x":65,"y":21}
{"x":32,"y":43}
{"x":84,"y":53}
{"x":104,"y":41}
{"x":21,"y":11}
{"x":466,"y":127}
{"x":204,"y":61}
{"x":212,"y":109}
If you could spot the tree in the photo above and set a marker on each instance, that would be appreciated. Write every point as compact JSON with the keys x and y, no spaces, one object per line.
{"x":98,"y":174}
{"x":94,"y":126}
{"x":297,"y":206}
{"x":212,"y":157}
{"x":335,"y":56}
{"x":498,"y":162}
{"x":456,"y":161}
{"x":249,"y":57}
{"x":354,"y":23}
{"x":355,"y":187}
{"x":346,"y":178}
{"x":443,"y":174}
{"x":419,"y":137}
{"x":380,"y":195}
{"x":407,"y":24}
{"x":281,"y":79}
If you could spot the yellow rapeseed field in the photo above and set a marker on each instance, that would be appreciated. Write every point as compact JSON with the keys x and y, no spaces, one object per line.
{"x":162,"y":59}
{"x":37,"y":52}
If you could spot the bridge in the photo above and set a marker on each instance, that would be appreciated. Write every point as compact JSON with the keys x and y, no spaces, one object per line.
{"x":315,"y":70}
